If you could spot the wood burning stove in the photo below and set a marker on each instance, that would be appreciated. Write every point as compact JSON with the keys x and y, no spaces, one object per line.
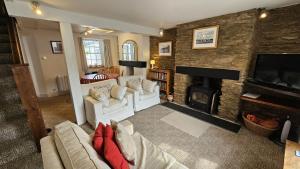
{"x":204,"y":97}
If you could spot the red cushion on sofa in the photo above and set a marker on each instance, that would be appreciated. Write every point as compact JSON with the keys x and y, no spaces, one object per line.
{"x":111,"y":151}
{"x":98,"y":140}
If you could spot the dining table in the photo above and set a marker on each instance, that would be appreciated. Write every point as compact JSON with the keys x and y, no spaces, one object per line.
{"x":90,"y":78}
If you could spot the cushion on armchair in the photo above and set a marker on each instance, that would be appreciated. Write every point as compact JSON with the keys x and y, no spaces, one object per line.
{"x":136,"y":84}
{"x":148,"y":85}
{"x":118,"y":92}
{"x":99,"y":95}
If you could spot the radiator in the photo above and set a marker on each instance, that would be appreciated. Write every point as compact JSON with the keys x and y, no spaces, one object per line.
{"x":62,"y":83}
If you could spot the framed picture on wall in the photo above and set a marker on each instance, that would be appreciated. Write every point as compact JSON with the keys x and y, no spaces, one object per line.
{"x":56,"y":47}
{"x":165,"y":48}
{"x":206,"y":37}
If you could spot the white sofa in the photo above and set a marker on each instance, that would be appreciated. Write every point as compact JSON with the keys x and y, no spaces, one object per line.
{"x":116,"y":110}
{"x":71,"y":148}
{"x":141,"y":101}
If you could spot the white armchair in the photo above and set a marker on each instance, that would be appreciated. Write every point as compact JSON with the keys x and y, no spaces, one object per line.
{"x":141,"y":101}
{"x":116,"y":110}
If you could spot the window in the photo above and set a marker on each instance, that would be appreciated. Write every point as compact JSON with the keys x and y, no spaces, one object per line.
{"x":129,"y":50}
{"x":94,"y":52}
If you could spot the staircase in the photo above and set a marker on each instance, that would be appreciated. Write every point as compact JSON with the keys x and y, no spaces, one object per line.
{"x":17,"y":146}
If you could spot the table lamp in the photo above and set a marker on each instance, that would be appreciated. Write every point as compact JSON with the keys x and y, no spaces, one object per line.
{"x":152,"y":63}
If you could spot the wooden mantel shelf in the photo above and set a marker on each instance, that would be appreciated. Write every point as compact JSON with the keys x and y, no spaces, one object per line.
{"x":271,"y":103}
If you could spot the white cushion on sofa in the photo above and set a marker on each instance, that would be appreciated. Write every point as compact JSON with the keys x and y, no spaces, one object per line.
{"x":75,"y":148}
{"x":136,"y":84}
{"x":147,"y":95}
{"x":118,"y":92}
{"x":148,"y":85}
{"x":100,"y":96}
{"x":114,"y":104}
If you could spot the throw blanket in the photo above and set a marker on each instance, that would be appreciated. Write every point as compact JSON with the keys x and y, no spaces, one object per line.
{"x":150,"y":156}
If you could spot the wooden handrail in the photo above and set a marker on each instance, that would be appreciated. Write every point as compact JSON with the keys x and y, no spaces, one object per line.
{"x":29,"y":100}
{"x":17,"y":56}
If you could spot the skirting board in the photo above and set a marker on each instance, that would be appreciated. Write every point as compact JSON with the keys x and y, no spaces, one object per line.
{"x":228,"y":125}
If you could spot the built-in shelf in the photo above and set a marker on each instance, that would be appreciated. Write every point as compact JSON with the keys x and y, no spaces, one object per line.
{"x":275,"y":104}
{"x":162,"y":77}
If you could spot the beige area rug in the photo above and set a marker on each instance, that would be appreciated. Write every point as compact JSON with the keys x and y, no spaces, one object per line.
{"x":214,"y":148}
{"x":186,"y":123}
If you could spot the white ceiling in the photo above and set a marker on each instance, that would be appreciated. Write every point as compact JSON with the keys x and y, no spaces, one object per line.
{"x":162,"y":13}
{"x":31,"y":23}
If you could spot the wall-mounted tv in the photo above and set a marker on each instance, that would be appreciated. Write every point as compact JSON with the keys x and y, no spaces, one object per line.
{"x":278,"y":70}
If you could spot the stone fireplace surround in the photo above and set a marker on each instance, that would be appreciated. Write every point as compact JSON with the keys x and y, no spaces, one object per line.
{"x":189,"y":73}
{"x":236,"y":46}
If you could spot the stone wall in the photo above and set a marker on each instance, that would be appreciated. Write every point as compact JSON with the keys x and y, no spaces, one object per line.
{"x":235,"y":49}
{"x":164,"y":62}
{"x":280,"y":31}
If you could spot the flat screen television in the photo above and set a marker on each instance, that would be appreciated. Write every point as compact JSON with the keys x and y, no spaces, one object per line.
{"x":280,"y":71}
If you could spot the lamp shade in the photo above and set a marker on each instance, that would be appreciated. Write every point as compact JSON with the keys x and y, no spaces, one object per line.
{"x":152,"y":62}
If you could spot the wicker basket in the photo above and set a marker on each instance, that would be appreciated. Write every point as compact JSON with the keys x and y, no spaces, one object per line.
{"x":256,"y":128}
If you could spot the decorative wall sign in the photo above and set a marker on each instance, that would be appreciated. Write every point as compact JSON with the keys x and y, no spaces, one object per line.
{"x":205,"y":37}
{"x":165,"y":48}
{"x":56,"y":47}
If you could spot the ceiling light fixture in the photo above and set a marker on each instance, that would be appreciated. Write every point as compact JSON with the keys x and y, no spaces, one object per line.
{"x":36,"y":7}
{"x":263,"y":14}
{"x":161,"y":32}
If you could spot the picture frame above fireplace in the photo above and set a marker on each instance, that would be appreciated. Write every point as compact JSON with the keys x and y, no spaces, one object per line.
{"x":205,"y":38}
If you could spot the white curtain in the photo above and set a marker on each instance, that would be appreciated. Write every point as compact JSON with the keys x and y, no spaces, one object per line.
{"x":107,"y":53}
{"x":84,"y":65}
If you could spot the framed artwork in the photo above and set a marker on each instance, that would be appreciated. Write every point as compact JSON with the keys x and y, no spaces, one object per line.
{"x":206,"y":37}
{"x":165,"y":48}
{"x":56,"y":47}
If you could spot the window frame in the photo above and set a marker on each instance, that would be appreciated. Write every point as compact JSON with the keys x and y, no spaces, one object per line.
{"x":134,"y":51}
{"x":101,"y":53}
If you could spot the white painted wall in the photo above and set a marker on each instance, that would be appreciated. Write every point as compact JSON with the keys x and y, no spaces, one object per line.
{"x":143,"y":43}
{"x":36,"y":45}
{"x":45,"y":64}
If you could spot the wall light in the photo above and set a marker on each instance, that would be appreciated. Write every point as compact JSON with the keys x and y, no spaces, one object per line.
{"x":161,"y":32}
{"x":36,"y":7}
{"x":263,"y":14}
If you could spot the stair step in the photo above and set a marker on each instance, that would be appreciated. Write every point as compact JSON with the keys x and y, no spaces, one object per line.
{"x":4,"y":38}
{"x":5,"y":70}
{"x":5,"y":58}
{"x":5,"y":47}
{"x":3,"y":20}
{"x":13,"y":129}
{"x":9,"y":96}
{"x":3,"y":29}
{"x":7,"y":83}
{"x":9,"y":112}
{"x":32,"y":161}
{"x":16,"y":149}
